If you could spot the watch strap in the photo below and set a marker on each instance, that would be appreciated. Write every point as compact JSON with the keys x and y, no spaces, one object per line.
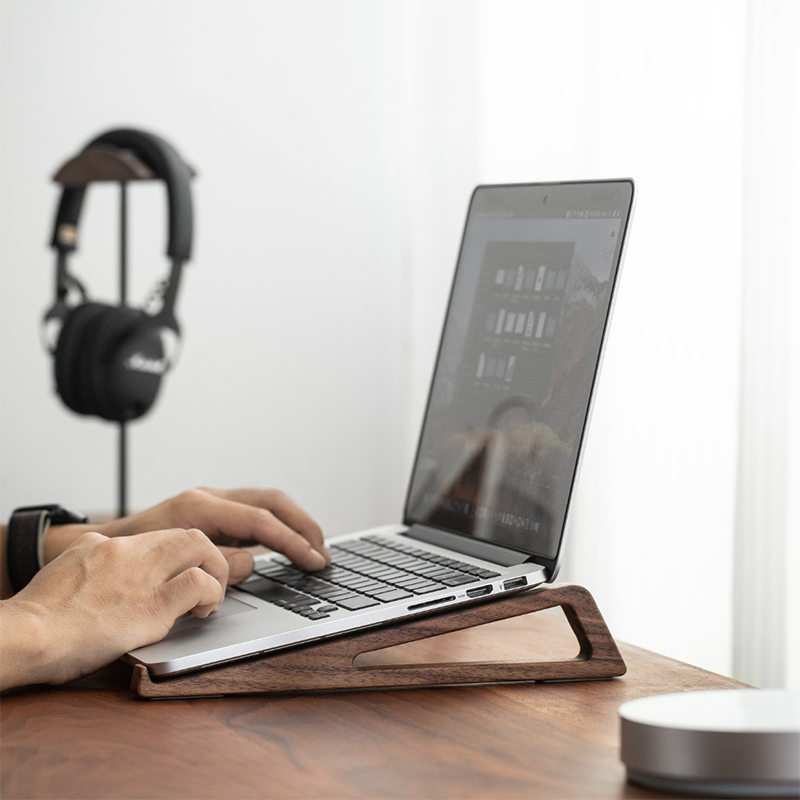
{"x":27,"y":530}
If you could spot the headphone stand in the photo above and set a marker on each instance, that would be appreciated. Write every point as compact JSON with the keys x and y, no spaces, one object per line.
{"x":122,"y":462}
{"x":109,"y":163}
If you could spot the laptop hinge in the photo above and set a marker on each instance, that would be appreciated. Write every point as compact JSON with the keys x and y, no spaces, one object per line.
{"x":477,"y":548}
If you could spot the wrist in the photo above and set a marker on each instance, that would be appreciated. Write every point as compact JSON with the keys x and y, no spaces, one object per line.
{"x":26,"y":654}
{"x":60,"y":537}
{"x":6,"y":589}
{"x":25,"y":539}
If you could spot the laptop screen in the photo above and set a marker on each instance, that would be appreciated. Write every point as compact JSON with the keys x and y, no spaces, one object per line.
{"x":518,"y":362}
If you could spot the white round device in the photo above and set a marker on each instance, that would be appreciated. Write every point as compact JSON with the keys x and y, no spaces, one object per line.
{"x":731,"y":743}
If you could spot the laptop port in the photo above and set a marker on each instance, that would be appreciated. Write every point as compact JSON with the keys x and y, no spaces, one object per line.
{"x":515,"y":583}
{"x":432,"y":603}
{"x":479,"y":591}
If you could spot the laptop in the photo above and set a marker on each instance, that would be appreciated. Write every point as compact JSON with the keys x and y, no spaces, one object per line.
{"x":498,"y":453}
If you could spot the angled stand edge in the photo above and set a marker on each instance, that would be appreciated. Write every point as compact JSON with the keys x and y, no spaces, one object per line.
{"x":103,"y":163}
{"x":331,"y":665}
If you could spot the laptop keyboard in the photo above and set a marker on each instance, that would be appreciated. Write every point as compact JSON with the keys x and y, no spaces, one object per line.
{"x":363,"y":572}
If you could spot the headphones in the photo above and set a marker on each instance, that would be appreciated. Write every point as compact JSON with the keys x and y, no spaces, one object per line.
{"x":109,"y":359}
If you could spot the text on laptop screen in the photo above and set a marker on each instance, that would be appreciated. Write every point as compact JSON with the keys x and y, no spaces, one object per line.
{"x":518,"y":362}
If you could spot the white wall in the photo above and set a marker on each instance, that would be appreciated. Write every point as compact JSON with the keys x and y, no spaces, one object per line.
{"x":292,"y":361}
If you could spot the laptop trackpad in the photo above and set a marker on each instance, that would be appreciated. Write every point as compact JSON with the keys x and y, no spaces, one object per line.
{"x":230,"y":606}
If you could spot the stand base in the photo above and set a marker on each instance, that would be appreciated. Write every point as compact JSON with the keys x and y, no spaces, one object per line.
{"x":331,"y":665}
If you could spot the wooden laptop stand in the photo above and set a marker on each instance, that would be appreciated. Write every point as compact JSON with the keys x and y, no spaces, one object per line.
{"x":331,"y":665}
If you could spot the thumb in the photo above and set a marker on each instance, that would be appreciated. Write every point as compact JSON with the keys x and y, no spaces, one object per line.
{"x":240,"y":564}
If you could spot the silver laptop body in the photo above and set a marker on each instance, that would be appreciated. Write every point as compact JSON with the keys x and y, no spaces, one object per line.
{"x":498,"y":454}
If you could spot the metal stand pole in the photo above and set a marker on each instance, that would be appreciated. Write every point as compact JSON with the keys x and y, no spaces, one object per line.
{"x":122,"y":504}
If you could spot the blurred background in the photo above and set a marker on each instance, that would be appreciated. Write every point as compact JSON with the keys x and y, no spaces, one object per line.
{"x":336,"y":144}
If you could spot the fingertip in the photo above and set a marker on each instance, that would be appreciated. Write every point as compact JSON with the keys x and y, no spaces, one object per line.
{"x":204,"y":611}
{"x":240,"y":566}
{"x":317,"y":559}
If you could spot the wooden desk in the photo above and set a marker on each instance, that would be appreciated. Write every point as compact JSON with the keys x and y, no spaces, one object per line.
{"x":94,"y":738}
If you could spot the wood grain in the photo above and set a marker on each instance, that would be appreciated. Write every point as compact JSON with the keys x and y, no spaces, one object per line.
{"x":95,"y":739}
{"x":344,"y":663}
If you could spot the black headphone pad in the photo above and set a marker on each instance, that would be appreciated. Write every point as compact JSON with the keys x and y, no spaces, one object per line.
{"x":125,"y":362}
{"x":69,"y":357}
{"x":109,"y":361}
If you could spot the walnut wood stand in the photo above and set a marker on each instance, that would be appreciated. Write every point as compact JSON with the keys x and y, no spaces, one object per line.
{"x":332,"y":665}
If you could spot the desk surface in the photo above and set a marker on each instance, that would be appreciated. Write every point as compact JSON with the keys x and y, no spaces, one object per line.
{"x":94,"y":738}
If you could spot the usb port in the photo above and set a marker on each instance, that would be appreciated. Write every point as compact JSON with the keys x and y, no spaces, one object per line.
{"x":479,"y":591}
{"x":515,"y":583}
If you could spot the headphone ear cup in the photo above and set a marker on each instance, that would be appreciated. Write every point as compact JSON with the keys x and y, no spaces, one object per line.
{"x":125,"y":365}
{"x":70,"y":356}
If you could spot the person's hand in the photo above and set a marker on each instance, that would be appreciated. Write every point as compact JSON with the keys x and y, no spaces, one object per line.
{"x":103,"y":597}
{"x":229,"y":517}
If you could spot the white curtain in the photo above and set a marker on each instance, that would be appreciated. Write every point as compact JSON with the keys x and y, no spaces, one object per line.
{"x":767,"y":585}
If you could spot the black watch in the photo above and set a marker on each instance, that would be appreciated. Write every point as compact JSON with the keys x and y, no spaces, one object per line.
{"x":27,"y":529}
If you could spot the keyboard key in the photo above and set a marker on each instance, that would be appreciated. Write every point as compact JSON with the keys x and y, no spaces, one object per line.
{"x":427,"y":588}
{"x":335,"y":593}
{"x":411,"y":581}
{"x":375,"y":587}
{"x":442,"y":574}
{"x":392,"y":575}
{"x":272,"y":592}
{"x":354,"y":583}
{"x":328,"y":594}
{"x":393,"y":594}
{"x":431,"y":569}
{"x":344,"y":594}
{"x":301,"y":602}
{"x":359,"y":601}
{"x":459,"y":580}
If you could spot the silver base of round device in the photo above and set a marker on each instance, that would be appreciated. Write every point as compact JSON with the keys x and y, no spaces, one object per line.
{"x":728,"y":743}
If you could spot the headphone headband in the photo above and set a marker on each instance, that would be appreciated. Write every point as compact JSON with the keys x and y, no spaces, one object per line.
{"x":108,"y":360}
{"x":167,"y":165}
